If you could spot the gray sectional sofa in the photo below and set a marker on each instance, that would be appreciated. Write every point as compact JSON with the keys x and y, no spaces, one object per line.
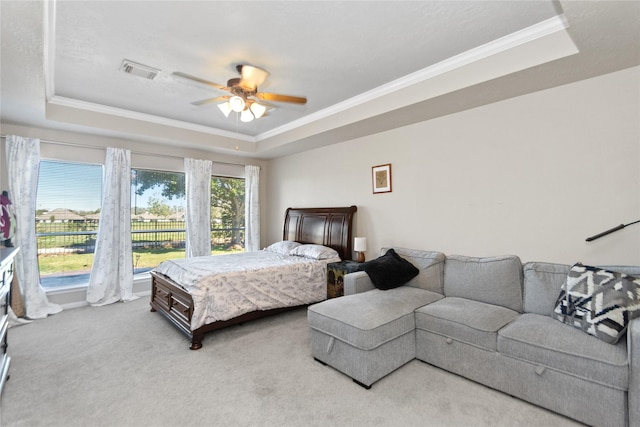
{"x":489,"y":320}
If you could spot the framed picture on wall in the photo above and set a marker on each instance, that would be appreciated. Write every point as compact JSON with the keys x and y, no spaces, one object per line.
{"x":381,"y":176}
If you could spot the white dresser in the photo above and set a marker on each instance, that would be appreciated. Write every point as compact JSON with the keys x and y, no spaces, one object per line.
{"x":7,"y":256}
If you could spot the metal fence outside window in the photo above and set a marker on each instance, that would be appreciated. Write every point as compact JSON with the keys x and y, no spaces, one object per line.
{"x":65,"y":249}
{"x":80,"y":237}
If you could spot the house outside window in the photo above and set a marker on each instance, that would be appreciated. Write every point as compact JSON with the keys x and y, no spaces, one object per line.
{"x":67,"y":212}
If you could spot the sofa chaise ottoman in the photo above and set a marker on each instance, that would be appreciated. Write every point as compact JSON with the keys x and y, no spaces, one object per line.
{"x":369,"y":335}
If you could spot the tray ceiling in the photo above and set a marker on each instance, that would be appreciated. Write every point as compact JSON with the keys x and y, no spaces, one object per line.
{"x":363,"y":66}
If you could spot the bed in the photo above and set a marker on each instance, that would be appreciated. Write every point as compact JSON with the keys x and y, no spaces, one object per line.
{"x":186,"y":296}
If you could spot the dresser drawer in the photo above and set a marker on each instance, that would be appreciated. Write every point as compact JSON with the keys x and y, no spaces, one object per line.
{"x":4,"y":298}
{"x":181,"y":309}
{"x":4,"y":328}
{"x":8,"y":276}
{"x":176,"y":305}
{"x":4,"y":370}
{"x":7,"y":256}
{"x":161,"y":295}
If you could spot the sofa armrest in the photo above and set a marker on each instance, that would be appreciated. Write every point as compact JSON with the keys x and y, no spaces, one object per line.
{"x":356,"y":283}
{"x":633,"y":347}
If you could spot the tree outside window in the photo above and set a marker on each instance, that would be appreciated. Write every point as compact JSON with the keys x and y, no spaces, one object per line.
{"x":68,"y":215}
{"x":227,"y":203}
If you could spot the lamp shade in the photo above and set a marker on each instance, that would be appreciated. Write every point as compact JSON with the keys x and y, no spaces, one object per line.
{"x":257,"y":109}
{"x":236,"y":103}
{"x":246,"y":116}
{"x":360,"y":244}
{"x":225,"y":108}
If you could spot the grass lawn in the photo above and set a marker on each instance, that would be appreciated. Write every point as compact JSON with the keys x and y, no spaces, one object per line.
{"x":63,"y":263}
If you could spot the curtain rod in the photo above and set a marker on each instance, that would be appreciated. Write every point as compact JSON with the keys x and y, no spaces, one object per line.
{"x":73,"y":144}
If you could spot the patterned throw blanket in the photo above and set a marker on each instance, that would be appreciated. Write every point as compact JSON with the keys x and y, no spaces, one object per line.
{"x":226,"y":286}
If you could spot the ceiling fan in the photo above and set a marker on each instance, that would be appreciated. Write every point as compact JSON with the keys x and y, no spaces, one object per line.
{"x":244,"y":97}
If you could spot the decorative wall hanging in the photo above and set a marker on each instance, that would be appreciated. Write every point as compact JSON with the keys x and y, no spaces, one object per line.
{"x":381,"y":176}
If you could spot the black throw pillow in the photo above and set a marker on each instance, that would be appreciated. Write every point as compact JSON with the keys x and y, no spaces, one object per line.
{"x":389,"y":271}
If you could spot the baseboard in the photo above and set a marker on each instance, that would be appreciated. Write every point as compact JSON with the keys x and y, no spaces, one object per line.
{"x":75,"y":297}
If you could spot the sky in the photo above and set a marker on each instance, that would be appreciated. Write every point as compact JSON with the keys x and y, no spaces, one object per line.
{"x":78,"y":186}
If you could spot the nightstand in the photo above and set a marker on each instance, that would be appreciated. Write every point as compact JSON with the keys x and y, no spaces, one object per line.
{"x":335,"y":276}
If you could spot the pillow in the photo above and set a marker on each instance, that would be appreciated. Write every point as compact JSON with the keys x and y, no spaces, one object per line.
{"x":315,"y":252}
{"x":598,"y":301}
{"x":284,"y":247}
{"x":389,"y":271}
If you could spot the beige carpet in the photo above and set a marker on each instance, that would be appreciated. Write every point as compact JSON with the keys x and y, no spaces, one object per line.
{"x":121,"y":365}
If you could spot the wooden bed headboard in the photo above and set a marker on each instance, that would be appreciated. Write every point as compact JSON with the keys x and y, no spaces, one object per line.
{"x":332,"y":227}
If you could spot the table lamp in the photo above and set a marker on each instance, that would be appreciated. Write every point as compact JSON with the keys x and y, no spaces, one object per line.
{"x":360,"y":246}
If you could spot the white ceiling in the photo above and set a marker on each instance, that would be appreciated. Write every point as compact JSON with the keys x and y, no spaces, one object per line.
{"x":365,"y":66}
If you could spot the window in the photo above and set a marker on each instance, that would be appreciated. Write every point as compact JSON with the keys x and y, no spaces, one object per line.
{"x":227,"y":214}
{"x":157,"y":217}
{"x":67,"y":211}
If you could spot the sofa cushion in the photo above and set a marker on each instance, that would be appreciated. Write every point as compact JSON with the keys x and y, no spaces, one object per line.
{"x":389,"y":271}
{"x":546,"y":342}
{"x":542,"y":283}
{"x":465,"y":320}
{"x":430,"y":265}
{"x":631,"y":270}
{"x":372,"y":318}
{"x":598,"y":301}
{"x":494,"y":280}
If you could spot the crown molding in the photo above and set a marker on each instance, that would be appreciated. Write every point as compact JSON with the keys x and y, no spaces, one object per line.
{"x":149,"y":118}
{"x":503,"y":44}
{"x":49,"y":47}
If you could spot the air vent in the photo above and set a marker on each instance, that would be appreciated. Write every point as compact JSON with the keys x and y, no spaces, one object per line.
{"x":139,"y":70}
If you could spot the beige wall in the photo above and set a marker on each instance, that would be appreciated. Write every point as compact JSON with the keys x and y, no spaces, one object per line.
{"x":532,"y":176}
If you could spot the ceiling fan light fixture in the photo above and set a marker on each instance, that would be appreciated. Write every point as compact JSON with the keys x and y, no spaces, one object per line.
{"x":246,"y":116}
{"x":243,"y":97}
{"x":236,"y":103}
{"x":225,"y":108}
{"x":257,"y":109}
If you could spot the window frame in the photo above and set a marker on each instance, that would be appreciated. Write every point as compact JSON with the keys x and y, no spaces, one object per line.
{"x":165,"y":160}
{"x":67,"y":275}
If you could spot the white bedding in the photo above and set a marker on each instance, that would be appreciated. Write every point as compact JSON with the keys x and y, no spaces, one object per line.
{"x":226,"y":286}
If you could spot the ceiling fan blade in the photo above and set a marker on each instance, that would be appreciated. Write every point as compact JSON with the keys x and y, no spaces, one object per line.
{"x":262,"y":102}
{"x":252,"y":77}
{"x":211,"y":100}
{"x":199,"y":80}
{"x":280,"y":98}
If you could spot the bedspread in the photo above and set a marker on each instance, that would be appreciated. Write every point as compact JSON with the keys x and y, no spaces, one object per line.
{"x":226,"y":286}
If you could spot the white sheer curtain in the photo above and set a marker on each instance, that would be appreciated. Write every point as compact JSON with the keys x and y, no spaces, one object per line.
{"x":252,"y":208}
{"x":23,"y":164}
{"x":198,"y":217}
{"x":111,"y":277}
